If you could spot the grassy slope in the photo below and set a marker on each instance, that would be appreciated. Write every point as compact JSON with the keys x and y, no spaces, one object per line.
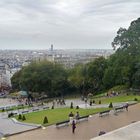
{"x":115,"y":99}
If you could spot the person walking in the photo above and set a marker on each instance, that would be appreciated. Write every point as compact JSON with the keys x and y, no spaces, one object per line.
{"x":126,"y":106}
{"x":73,"y":126}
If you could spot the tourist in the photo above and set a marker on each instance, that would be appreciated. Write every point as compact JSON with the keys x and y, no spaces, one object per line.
{"x":71,"y":115}
{"x":77,"y":116}
{"x":126,"y":106}
{"x":101,"y":133}
{"x":85,"y":100}
{"x":90,"y":103}
{"x":73,"y":126}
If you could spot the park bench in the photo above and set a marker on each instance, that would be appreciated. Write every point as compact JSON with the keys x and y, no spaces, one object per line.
{"x":24,"y":112}
{"x":106,"y":112}
{"x":14,"y":113}
{"x":63,"y":123}
{"x":117,"y":109}
{"x":35,"y":109}
{"x":46,"y":107}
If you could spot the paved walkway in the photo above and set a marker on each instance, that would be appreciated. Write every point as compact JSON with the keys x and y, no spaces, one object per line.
{"x":8,"y":126}
{"x":106,"y":105}
{"x":130,"y":132}
{"x":84,"y":130}
{"x":5,"y":102}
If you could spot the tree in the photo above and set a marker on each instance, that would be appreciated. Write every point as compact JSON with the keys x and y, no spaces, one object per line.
{"x":127,"y":56}
{"x":42,"y":77}
{"x":76,"y":78}
{"x":95,"y":73}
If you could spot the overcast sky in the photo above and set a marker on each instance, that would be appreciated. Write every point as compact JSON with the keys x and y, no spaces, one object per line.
{"x":36,"y":24}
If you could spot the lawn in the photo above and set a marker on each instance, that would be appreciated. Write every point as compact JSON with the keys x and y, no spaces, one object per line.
{"x":57,"y":115}
{"x":121,"y":98}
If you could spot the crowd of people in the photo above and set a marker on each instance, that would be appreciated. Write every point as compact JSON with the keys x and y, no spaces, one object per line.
{"x":112,"y":93}
{"x":73,"y":120}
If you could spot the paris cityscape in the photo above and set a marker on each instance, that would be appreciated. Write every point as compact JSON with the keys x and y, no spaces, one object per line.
{"x":69,"y":70}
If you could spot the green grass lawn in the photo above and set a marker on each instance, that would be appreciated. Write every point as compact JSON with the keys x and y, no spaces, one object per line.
{"x":57,"y":115}
{"x":121,"y":98}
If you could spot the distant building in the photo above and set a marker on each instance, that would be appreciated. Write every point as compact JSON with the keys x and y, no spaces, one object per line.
{"x":51,"y":47}
{"x":5,"y":75}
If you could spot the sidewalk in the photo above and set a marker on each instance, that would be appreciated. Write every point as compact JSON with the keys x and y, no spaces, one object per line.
{"x":130,"y":132}
{"x":9,"y":127}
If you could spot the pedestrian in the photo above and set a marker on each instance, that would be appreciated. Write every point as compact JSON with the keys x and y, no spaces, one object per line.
{"x":126,"y":106}
{"x":90,"y":103}
{"x":77,"y":116}
{"x":73,"y":126}
{"x":71,"y":115}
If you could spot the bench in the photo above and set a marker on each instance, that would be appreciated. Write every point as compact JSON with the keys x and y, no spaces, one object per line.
{"x":106,"y":112}
{"x":14,"y":113}
{"x":35,"y":109}
{"x":24,"y":112}
{"x":63,"y":123}
{"x":117,"y":109}
{"x":45,"y":108}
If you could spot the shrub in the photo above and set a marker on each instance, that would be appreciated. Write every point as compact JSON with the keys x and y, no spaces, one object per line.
{"x":110,"y":105}
{"x":93,"y":101}
{"x":10,"y":115}
{"x":52,"y":107}
{"x":77,"y":107}
{"x":19,"y":117}
{"x":71,"y":105}
{"x":99,"y":101}
{"x":135,"y":99}
{"x":3,"y":110}
{"x":23,"y":118}
{"x":45,"y":120}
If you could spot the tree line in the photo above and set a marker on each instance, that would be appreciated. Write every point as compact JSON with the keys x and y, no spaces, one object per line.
{"x":121,"y":68}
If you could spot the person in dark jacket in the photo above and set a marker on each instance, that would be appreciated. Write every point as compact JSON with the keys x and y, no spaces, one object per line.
{"x":73,"y":126}
{"x":126,"y":106}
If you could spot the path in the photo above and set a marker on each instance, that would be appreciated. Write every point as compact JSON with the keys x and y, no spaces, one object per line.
{"x":85,"y":130}
{"x":8,"y":126}
{"x":130,"y":132}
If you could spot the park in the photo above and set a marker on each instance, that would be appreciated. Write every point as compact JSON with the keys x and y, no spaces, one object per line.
{"x":61,"y":114}
{"x":58,"y":116}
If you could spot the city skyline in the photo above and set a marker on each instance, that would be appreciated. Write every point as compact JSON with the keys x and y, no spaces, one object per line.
{"x":76,"y":24}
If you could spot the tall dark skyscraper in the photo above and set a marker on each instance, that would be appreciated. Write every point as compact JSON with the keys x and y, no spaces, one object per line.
{"x":52,"y":47}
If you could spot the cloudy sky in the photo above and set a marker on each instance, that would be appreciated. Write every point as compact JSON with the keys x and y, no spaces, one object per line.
{"x":36,"y":24}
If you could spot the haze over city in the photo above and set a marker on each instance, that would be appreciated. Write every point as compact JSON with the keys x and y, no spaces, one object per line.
{"x":90,"y":24}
